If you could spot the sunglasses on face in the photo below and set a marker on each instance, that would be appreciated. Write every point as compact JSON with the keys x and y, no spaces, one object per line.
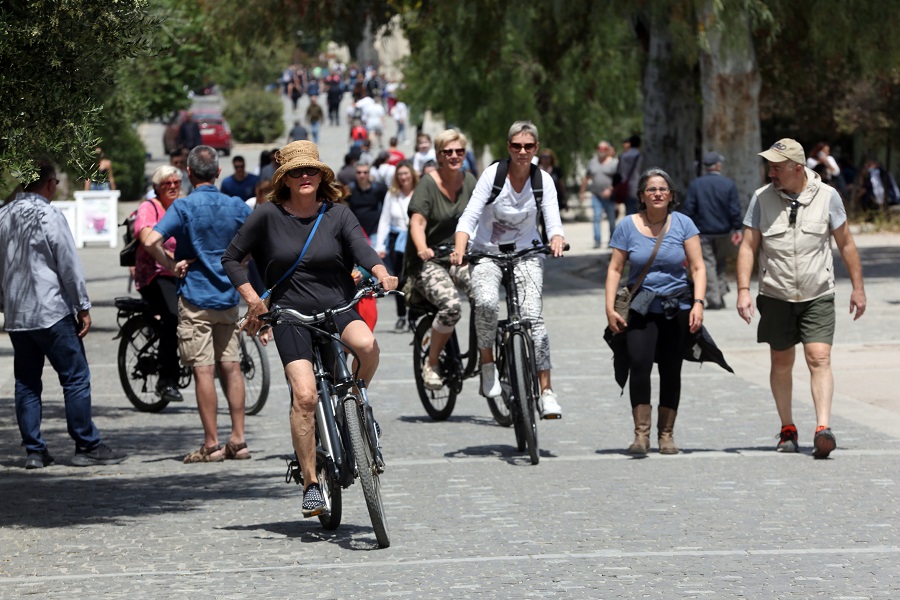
{"x":792,"y":218}
{"x":516,"y":147}
{"x":448,"y":152}
{"x":170,"y":184}
{"x":301,"y":171}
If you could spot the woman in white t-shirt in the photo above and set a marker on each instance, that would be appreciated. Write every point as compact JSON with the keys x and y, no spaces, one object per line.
{"x":511,"y":218}
{"x":393,"y":227}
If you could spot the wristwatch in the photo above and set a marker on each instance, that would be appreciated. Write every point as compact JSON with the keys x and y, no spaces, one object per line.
{"x":699,"y":301}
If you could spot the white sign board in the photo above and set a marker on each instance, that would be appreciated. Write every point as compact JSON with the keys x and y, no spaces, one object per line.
{"x":69,"y":209}
{"x":96,"y":217}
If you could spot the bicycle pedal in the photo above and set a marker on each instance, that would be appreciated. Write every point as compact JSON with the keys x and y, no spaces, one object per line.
{"x":379,"y":462}
{"x":293,"y":474}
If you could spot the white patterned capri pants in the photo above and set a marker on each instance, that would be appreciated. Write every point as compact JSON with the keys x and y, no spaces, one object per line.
{"x":439,"y":284}
{"x":486,"y":280}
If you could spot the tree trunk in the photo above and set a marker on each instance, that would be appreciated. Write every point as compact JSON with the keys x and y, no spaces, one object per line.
{"x":730,"y":83}
{"x":671,"y":110}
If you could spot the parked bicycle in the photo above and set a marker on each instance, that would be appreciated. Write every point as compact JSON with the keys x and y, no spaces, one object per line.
{"x":455,"y":365}
{"x":138,"y":360}
{"x":347,"y":436}
{"x":514,"y":349}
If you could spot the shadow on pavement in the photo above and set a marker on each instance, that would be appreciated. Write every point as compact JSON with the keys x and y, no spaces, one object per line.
{"x":309,"y":531}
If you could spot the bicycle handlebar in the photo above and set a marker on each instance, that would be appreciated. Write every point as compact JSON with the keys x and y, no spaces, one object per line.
{"x":537,"y":248}
{"x":277,"y":314}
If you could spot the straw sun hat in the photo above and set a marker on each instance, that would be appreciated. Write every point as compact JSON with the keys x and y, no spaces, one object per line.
{"x":302,"y":153}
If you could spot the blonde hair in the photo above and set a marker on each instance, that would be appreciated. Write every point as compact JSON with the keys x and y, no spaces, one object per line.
{"x":447,"y":136}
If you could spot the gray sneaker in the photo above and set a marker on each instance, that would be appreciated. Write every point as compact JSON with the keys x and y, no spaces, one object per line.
{"x":101,"y":455}
{"x":38,"y":460}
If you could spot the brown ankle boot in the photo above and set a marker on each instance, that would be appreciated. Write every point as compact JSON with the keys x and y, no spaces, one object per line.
{"x":665,"y":424}
{"x":643,"y":418}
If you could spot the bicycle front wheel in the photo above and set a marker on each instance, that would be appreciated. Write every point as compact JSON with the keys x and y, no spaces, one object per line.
{"x":138,"y":363}
{"x":500,"y":406}
{"x":524,"y":386}
{"x":254,"y":365}
{"x":331,"y":489}
{"x":438,"y":404}
{"x":365,"y":465}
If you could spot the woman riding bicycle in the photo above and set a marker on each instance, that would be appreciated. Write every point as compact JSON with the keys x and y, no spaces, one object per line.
{"x":434,"y":210}
{"x":156,"y":285}
{"x":511,"y":218}
{"x":304,"y":193}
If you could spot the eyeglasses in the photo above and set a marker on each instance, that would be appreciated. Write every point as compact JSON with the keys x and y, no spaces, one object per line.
{"x":448,"y":152}
{"x":240,"y":166}
{"x":170,"y":183}
{"x":363,"y":172}
{"x":516,"y":147}
{"x":301,"y":171}
{"x":792,"y":218}
{"x":660,"y":190}
{"x":55,"y":180}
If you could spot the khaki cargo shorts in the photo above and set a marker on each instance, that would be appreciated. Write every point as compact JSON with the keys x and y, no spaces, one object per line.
{"x":207,"y":336}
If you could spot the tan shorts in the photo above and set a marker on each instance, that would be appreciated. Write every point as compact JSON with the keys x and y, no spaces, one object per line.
{"x":205,"y":336}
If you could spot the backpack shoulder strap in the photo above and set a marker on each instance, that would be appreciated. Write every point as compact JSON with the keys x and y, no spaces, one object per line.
{"x":537,"y":184}
{"x":499,"y":179}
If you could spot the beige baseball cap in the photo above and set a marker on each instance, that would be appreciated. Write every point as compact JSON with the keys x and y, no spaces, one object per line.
{"x":785,"y":149}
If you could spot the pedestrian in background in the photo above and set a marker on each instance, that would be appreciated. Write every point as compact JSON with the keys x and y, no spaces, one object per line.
{"x":393,"y":228}
{"x":365,"y":200}
{"x":630,"y":165}
{"x":713,"y":204}
{"x":241,"y":184}
{"x":43,"y":296}
{"x":314,"y":116}
{"x":598,"y":179}
{"x":790,"y":223}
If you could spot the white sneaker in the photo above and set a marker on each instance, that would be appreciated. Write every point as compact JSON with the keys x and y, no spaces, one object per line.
{"x":550,"y":408}
{"x":490,"y":383}
{"x":431,"y":377}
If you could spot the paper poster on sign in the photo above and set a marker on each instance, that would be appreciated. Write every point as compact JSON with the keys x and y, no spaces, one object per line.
{"x":96,"y":217}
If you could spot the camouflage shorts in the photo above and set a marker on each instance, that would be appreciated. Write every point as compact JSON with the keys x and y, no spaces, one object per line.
{"x":438,"y":283}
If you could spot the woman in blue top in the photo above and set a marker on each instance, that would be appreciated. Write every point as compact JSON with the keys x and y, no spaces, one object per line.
{"x":664,"y":311}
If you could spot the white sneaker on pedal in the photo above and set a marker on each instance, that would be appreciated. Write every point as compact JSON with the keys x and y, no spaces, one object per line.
{"x":431,"y":377}
{"x":490,"y":383}
{"x":550,"y":408}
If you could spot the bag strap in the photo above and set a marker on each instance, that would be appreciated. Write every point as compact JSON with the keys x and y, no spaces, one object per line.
{"x":537,"y":182}
{"x":659,"y":239}
{"x":268,"y":292}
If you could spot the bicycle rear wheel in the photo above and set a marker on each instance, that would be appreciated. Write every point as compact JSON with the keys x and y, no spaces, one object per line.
{"x":438,"y":404}
{"x":138,"y":362}
{"x":365,"y":465}
{"x":254,"y":363}
{"x":524,"y":386}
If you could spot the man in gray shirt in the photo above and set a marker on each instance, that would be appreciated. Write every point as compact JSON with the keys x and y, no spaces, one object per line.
{"x":44,"y":299}
{"x":598,"y":179}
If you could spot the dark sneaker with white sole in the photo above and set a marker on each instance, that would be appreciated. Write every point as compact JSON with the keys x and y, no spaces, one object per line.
{"x":788,"y":439}
{"x":38,"y":460}
{"x":313,"y":501}
{"x":99,"y":456}
{"x":823,"y":443}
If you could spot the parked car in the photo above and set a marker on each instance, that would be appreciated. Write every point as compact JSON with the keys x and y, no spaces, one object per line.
{"x":214,"y":131}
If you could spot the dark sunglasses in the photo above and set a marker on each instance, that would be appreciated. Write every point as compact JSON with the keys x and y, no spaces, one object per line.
{"x":301,"y":171}
{"x":529,"y":147}
{"x":792,"y":218}
{"x":448,"y":152}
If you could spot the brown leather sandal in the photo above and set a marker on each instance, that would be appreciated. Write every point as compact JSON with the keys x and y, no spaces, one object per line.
{"x":204,"y":454}
{"x":237,"y":451}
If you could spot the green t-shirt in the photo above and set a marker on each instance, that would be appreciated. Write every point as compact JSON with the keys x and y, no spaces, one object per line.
{"x":440,"y":213}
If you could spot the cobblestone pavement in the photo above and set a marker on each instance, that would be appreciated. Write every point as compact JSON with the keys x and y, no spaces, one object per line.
{"x":469,"y":516}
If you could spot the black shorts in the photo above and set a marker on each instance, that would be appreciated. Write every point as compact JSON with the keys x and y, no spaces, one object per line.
{"x":295,"y":341}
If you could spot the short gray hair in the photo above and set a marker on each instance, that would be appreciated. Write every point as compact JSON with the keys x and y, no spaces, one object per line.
{"x":523,"y":127}
{"x":642,"y":185}
{"x":203,"y":163}
{"x":164,"y":172}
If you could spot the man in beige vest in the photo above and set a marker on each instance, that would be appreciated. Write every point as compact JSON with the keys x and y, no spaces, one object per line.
{"x":791,"y":222}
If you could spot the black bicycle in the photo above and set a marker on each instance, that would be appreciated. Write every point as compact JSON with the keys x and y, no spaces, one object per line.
{"x":138,"y":359}
{"x":347,"y":435}
{"x":455,"y":365}
{"x":514,"y":349}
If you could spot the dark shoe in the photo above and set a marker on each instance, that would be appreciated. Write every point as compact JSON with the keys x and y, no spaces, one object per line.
{"x":715,"y":305}
{"x":788,"y":439}
{"x":170,"y":393}
{"x":400,"y":325}
{"x":313,"y":501}
{"x":38,"y":460}
{"x":823,"y":443}
{"x":101,"y":455}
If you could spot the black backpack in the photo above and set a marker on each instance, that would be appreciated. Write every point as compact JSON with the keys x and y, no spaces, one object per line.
{"x":537,"y":187}
{"x":128,"y":254}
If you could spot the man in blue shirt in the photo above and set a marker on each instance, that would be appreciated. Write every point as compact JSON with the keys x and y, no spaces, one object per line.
{"x":43,"y":296}
{"x":242,"y":184}
{"x":713,"y":205}
{"x":203,"y":224}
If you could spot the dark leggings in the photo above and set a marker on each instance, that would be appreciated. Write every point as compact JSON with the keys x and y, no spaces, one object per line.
{"x":650,"y":338}
{"x":395,"y":266}
{"x":161,"y":295}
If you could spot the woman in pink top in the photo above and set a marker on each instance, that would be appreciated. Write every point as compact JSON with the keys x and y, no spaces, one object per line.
{"x":156,"y":285}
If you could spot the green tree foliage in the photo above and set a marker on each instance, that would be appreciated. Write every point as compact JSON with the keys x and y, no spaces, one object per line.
{"x":566,"y":65}
{"x":59,"y":62}
{"x":255,"y":116}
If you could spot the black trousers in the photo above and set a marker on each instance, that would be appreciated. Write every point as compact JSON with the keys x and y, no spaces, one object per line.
{"x":654,"y":338}
{"x":394,"y":264}
{"x":161,"y":294}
